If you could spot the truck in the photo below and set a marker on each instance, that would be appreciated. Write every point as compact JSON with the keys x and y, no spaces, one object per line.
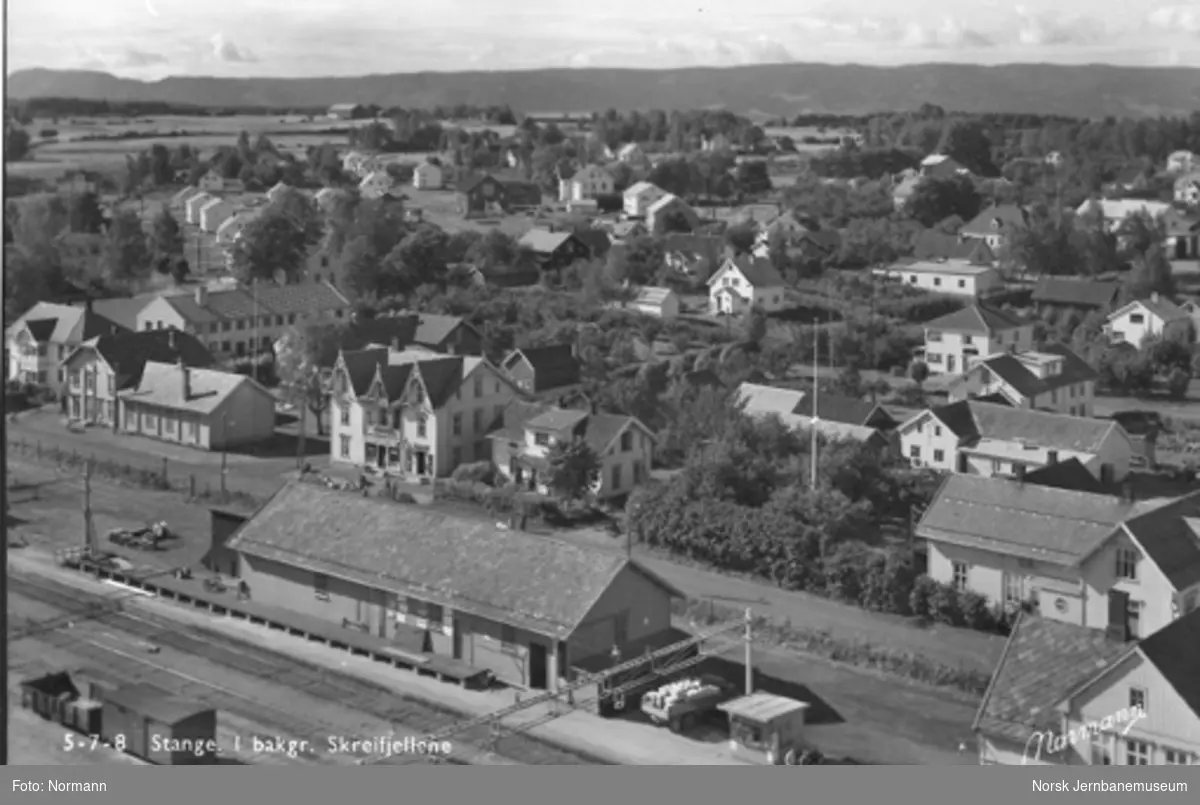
{"x":682,"y":704}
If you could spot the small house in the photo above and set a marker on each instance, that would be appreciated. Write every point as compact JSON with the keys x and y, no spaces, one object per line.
{"x":376,"y":184}
{"x":744,"y":283}
{"x":193,"y":206}
{"x":543,"y":372}
{"x":428,"y":176}
{"x":671,"y":214}
{"x":638,"y":198}
{"x":480,"y":194}
{"x":954,"y":278}
{"x":662,"y":303}
{"x":554,"y":250}
{"x":1155,"y":317}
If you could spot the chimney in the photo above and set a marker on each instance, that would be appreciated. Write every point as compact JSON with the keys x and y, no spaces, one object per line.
{"x":1127,"y":491}
{"x":88,"y":304}
{"x":1154,"y":297}
{"x":185,"y":376}
{"x":395,"y":343}
{"x":1051,"y":456}
{"x":1019,"y":470}
{"x":171,"y":338}
{"x":202,"y":295}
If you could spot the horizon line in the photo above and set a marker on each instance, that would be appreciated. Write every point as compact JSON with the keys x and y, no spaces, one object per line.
{"x":598,"y":69}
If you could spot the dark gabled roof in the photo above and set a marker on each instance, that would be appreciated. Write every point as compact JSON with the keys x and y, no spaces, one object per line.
{"x":553,"y":366}
{"x":528,"y":581}
{"x":598,"y":429}
{"x":361,"y":366}
{"x":934,"y":245}
{"x":441,"y":377}
{"x":1044,"y":662}
{"x":1022,"y":520}
{"x":958,"y":418}
{"x":402,"y":328}
{"x":976,"y":318}
{"x":1069,"y":474}
{"x":41,"y":329}
{"x":127,"y":353}
{"x":1023,"y":379}
{"x":394,"y":379}
{"x":1170,"y":536}
{"x":124,"y":311}
{"x":837,"y":408}
{"x":1175,"y":651}
{"x":995,"y":219}
{"x":308,"y":298}
{"x":1075,"y":292}
{"x":759,"y":271}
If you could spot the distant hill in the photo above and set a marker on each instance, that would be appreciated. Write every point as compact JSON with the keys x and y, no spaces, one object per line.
{"x":776,"y":89}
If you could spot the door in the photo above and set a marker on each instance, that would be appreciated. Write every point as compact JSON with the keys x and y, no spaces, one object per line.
{"x":421,"y":462}
{"x":538,"y":657}
{"x":951,"y":362}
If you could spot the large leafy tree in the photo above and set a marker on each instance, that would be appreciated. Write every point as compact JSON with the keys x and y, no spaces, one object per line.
{"x":126,"y":258}
{"x":276,"y":243}
{"x":574,"y":469}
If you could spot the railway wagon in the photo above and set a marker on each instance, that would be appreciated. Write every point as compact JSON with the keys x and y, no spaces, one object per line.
{"x":162,"y":729}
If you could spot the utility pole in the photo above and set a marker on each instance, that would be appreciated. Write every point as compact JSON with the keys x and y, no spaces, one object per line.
{"x":89,"y":529}
{"x":812,"y":481}
{"x":301,"y":399}
{"x":224,"y":454}
{"x":749,"y":637}
{"x":254,"y":308}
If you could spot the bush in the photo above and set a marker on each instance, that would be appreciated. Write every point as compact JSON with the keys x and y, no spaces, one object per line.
{"x":481,"y":472}
{"x":920,"y":600}
{"x":944,"y":605}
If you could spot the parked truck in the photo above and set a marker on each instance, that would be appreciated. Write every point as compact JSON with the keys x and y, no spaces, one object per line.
{"x":682,"y":704}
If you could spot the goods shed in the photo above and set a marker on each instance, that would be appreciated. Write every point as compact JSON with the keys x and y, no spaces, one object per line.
{"x":162,"y":729}
{"x":526,"y":607}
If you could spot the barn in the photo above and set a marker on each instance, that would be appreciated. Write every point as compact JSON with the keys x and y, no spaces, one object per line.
{"x":526,"y":607}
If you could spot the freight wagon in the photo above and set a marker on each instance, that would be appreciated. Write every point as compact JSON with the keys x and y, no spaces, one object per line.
{"x":143,"y":721}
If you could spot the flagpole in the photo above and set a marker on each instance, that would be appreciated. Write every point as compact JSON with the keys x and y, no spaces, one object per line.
{"x":254,"y":354}
{"x":816,"y":386}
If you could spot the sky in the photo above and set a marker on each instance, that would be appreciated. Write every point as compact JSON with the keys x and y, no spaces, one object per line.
{"x":150,"y":39}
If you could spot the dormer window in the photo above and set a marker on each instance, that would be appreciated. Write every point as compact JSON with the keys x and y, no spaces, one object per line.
{"x":542,"y":439}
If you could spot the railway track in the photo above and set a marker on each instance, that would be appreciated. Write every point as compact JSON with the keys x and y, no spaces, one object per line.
{"x":255,"y":661}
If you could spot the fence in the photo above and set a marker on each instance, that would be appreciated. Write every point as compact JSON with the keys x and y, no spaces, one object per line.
{"x":155,"y":474}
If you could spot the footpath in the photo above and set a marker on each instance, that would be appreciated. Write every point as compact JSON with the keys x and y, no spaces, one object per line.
{"x":613,"y":740}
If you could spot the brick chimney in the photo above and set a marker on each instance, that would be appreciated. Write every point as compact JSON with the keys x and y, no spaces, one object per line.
{"x":1051,"y":456}
{"x":202,"y":295}
{"x":185,"y":378}
{"x":171,"y":338}
{"x":1154,"y":297}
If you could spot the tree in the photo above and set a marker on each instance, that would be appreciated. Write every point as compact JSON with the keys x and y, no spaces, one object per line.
{"x":967,"y":141}
{"x":1047,"y":244}
{"x":84,"y":213}
{"x":16,"y":142}
{"x":919,"y":372}
{"x":574,"y":469}
{"x":126,"y":257}
{"x":299,"y":359}
{"x":756,"y":327}
{"x":1150,"y":273}
{"x":935,"y":199}
{"x":742,"y":237}
{"x":278,"y":241}
{"x":166,"y":236}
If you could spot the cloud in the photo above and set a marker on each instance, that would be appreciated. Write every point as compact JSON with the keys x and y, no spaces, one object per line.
{"x":228,"y":51}
{"x":132,"y":57}
{"x":949,"y":33}
{"x":1046,"y":30}
{"x":1176,"y":18}
{"x":128,"y":58}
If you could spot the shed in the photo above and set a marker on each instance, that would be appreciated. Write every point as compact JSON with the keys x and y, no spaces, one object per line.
{"x":48,"y":695}
{"x":163,"y":729}
{"x":660,"y":302}
{"x":764,"y":726}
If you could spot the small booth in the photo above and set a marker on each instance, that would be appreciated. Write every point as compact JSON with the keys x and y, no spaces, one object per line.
{"x":765,"y":728}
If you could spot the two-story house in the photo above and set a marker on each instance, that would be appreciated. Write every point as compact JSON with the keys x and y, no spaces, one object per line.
{"x":953,"y":341}
{"x":639,"y":196}
{"x":244,"y":321}
{"x":1094,"y":560}
{"x":1067,"y":695}
{"x":527,"y":432}
{"x":994,"y":225}
{"x":1155,"y":317}
{"x":414,"y":413}
{"x":671,"y":214}
{"x":989,"y":439}
{"x":41,"y":339}
{"x":545,"y":373}
{"x":1051,"y":379}
{"x":99,"y":369}
{"x":744,"y":283}
{"x":587,"y":183}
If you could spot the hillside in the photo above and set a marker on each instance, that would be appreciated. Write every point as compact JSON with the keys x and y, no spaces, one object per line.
{"x":1085,"y":91}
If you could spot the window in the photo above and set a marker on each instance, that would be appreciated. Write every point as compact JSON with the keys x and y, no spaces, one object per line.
{"x":937,"y":282}
{"x":1127,"y":562}
{"x":241,"y":324}
{"x":1137,"y":699}
{"x":89,"y":382}
{"x":479,"y":387}
{"x":169,"y":425}
{"x":189,"y":431}
{"x":939,"y":456}
{"x":130,"y":419}
{"x":912,"y":278}
{"x":1013,"y":592}
{"x":456,"y":425}
{"x":1174,"y":757}
{"x":914,"y":451}
{"x":967,"y":340}
{"x":541,"y":439}
{"x":477,"y":420}
{"x":344,"y":447}
{"x":1100,"y":754}
{"x":75,"y":380}
{"x":345,"y":414}
{"x":111,"y":385}
{"x":616,"y":477}
{"x":421,"y":426}
{"x":456,"y":456}
{"x":960,"y":576}
{"x":997,"y":467}
{"x":626,"y":441}
{"x":1137,"y":753}
{"x":962,"y":283}
{"x":1133,"y":618}
{"x":224,"y":346}
{"x":638,"y":473}
{"x":937,"y":430}
{"x":1136,"y":318}
{"x":933,"y":335}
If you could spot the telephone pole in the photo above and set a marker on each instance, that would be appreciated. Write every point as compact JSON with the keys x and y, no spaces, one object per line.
{"x":812,"y":481}
{"x":89,"y":529}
